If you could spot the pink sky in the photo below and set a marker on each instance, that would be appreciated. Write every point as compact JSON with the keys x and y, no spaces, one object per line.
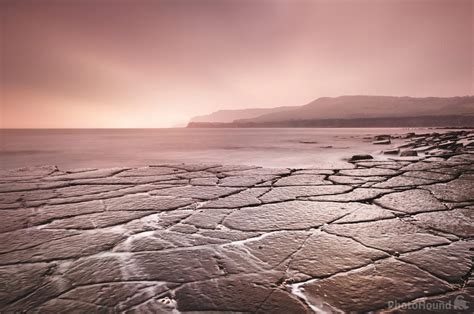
{"x":144,"y":63}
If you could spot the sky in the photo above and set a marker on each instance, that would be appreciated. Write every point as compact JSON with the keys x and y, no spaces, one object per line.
{"x":157,"y":63}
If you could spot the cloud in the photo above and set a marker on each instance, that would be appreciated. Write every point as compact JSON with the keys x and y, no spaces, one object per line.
{"x":156,"y":63}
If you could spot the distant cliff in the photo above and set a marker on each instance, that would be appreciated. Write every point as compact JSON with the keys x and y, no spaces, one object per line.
{"x":231,"y":115}
{"x":362,"y":111}
{"x":425,"y":121}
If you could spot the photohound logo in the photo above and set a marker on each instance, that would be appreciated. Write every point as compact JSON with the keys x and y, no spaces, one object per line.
{"x":458,"y":304}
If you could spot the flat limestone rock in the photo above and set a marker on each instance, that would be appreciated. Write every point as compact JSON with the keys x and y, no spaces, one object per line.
{"x":193,"y":167}
{"x":244,"y":181}
{"x":450,"y":262}
{"x":453,"y":191}
{"x":143,"y":241}
{"x":411,"y":201}
{"x":14,"y":219}
{"x":27,"y":238}
{"x":109,"y":296}
{"x":274,"y":248}
{"x":302,"y":179}
{"x":313,"y":171}
{"x":292,"y":215}
{"x":208,"y":218}
{"x":229,"y":235}
{"x":467,"y":176}
{"x":14,"y":197}
{"x":241,"y":199}
{"x":86,"y":189}
{"x":430,"y":175}
{"x":390,"y":235}
{"x":99,"y":269}
{"x":163,"y":240}
{"x":99,"y":173}
{"x":368,"y":172}
{"x":258,"y":172}
{"x":248,"y":294}
{"x":27,"y":173}
{"x":184,"y":229}
{"x":151,"y":171}
{"x":459,"y":221}
{"x":198,"y":192}
{"x":146,"y":202}
{"x":324,"y":254}
{"x":165,"y":179}
{"x":366,"y":213}
{"x":278,"y":194}
{"x":44,"y":290}
{"x":195,"y":264}
{"x":357,"y":195}
{"x":30,"y":186}
{"x":385,"y":164}
{"x":104,"y":195}
{"x":174,"y":238}
{"x":231,"y":168}
{"x":284,"y":302}
{"x":211,"y":181}
{"x":48,"y":213}
{"x":196,"y":175}
{"x":19,"y":280}
{"x":402,"y":181}
{"x":421,"y":166}
{"x":97,"y":220}
{"x":372,"y":287}
{"x":355,"y":180}
{"x":156,"y":221}
{"x":74,"y":246}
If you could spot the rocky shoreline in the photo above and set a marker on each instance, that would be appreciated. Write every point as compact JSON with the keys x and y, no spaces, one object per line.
{"x":383,"y":235}
{"x":431,"y":144}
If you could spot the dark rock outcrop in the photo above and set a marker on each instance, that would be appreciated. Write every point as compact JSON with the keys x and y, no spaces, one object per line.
{"x":408,"y":153}
{"x":361,"y":157}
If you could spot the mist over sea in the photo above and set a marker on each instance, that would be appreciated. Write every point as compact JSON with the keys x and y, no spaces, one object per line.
{"x":285,"y":147}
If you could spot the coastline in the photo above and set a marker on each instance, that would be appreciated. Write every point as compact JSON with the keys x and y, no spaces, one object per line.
{"x":458,"y":121}
{"x":211,"y":237}
{"x":105,"y":148}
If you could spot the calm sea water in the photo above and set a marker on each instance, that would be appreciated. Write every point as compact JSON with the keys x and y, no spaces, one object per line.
{"x":78,"y":148}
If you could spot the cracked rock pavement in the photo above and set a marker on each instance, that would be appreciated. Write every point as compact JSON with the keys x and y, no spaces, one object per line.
{"x":185,"y":238}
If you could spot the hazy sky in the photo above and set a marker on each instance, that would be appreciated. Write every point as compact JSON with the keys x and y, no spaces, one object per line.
{"x":144,"y":63}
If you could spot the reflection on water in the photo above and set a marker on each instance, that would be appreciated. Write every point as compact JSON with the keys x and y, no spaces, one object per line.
{"x":76,"y":148}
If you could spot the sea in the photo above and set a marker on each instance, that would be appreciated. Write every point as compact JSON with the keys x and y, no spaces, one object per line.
{"x":268,"y":147}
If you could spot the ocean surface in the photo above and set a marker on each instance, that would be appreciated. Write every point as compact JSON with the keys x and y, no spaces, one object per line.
{"x":286,"y":147}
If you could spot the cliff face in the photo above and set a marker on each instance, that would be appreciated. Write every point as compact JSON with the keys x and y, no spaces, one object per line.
{"x":361,"y":107}
{"x":424,"y":121}
{"x":226,"y":116}
{"x":363,"y":111}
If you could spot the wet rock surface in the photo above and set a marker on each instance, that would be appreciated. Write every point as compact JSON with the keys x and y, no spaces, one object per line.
{"x":361,"y":157}
{"x":214,"y":238}
{"x":430,"y":144}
